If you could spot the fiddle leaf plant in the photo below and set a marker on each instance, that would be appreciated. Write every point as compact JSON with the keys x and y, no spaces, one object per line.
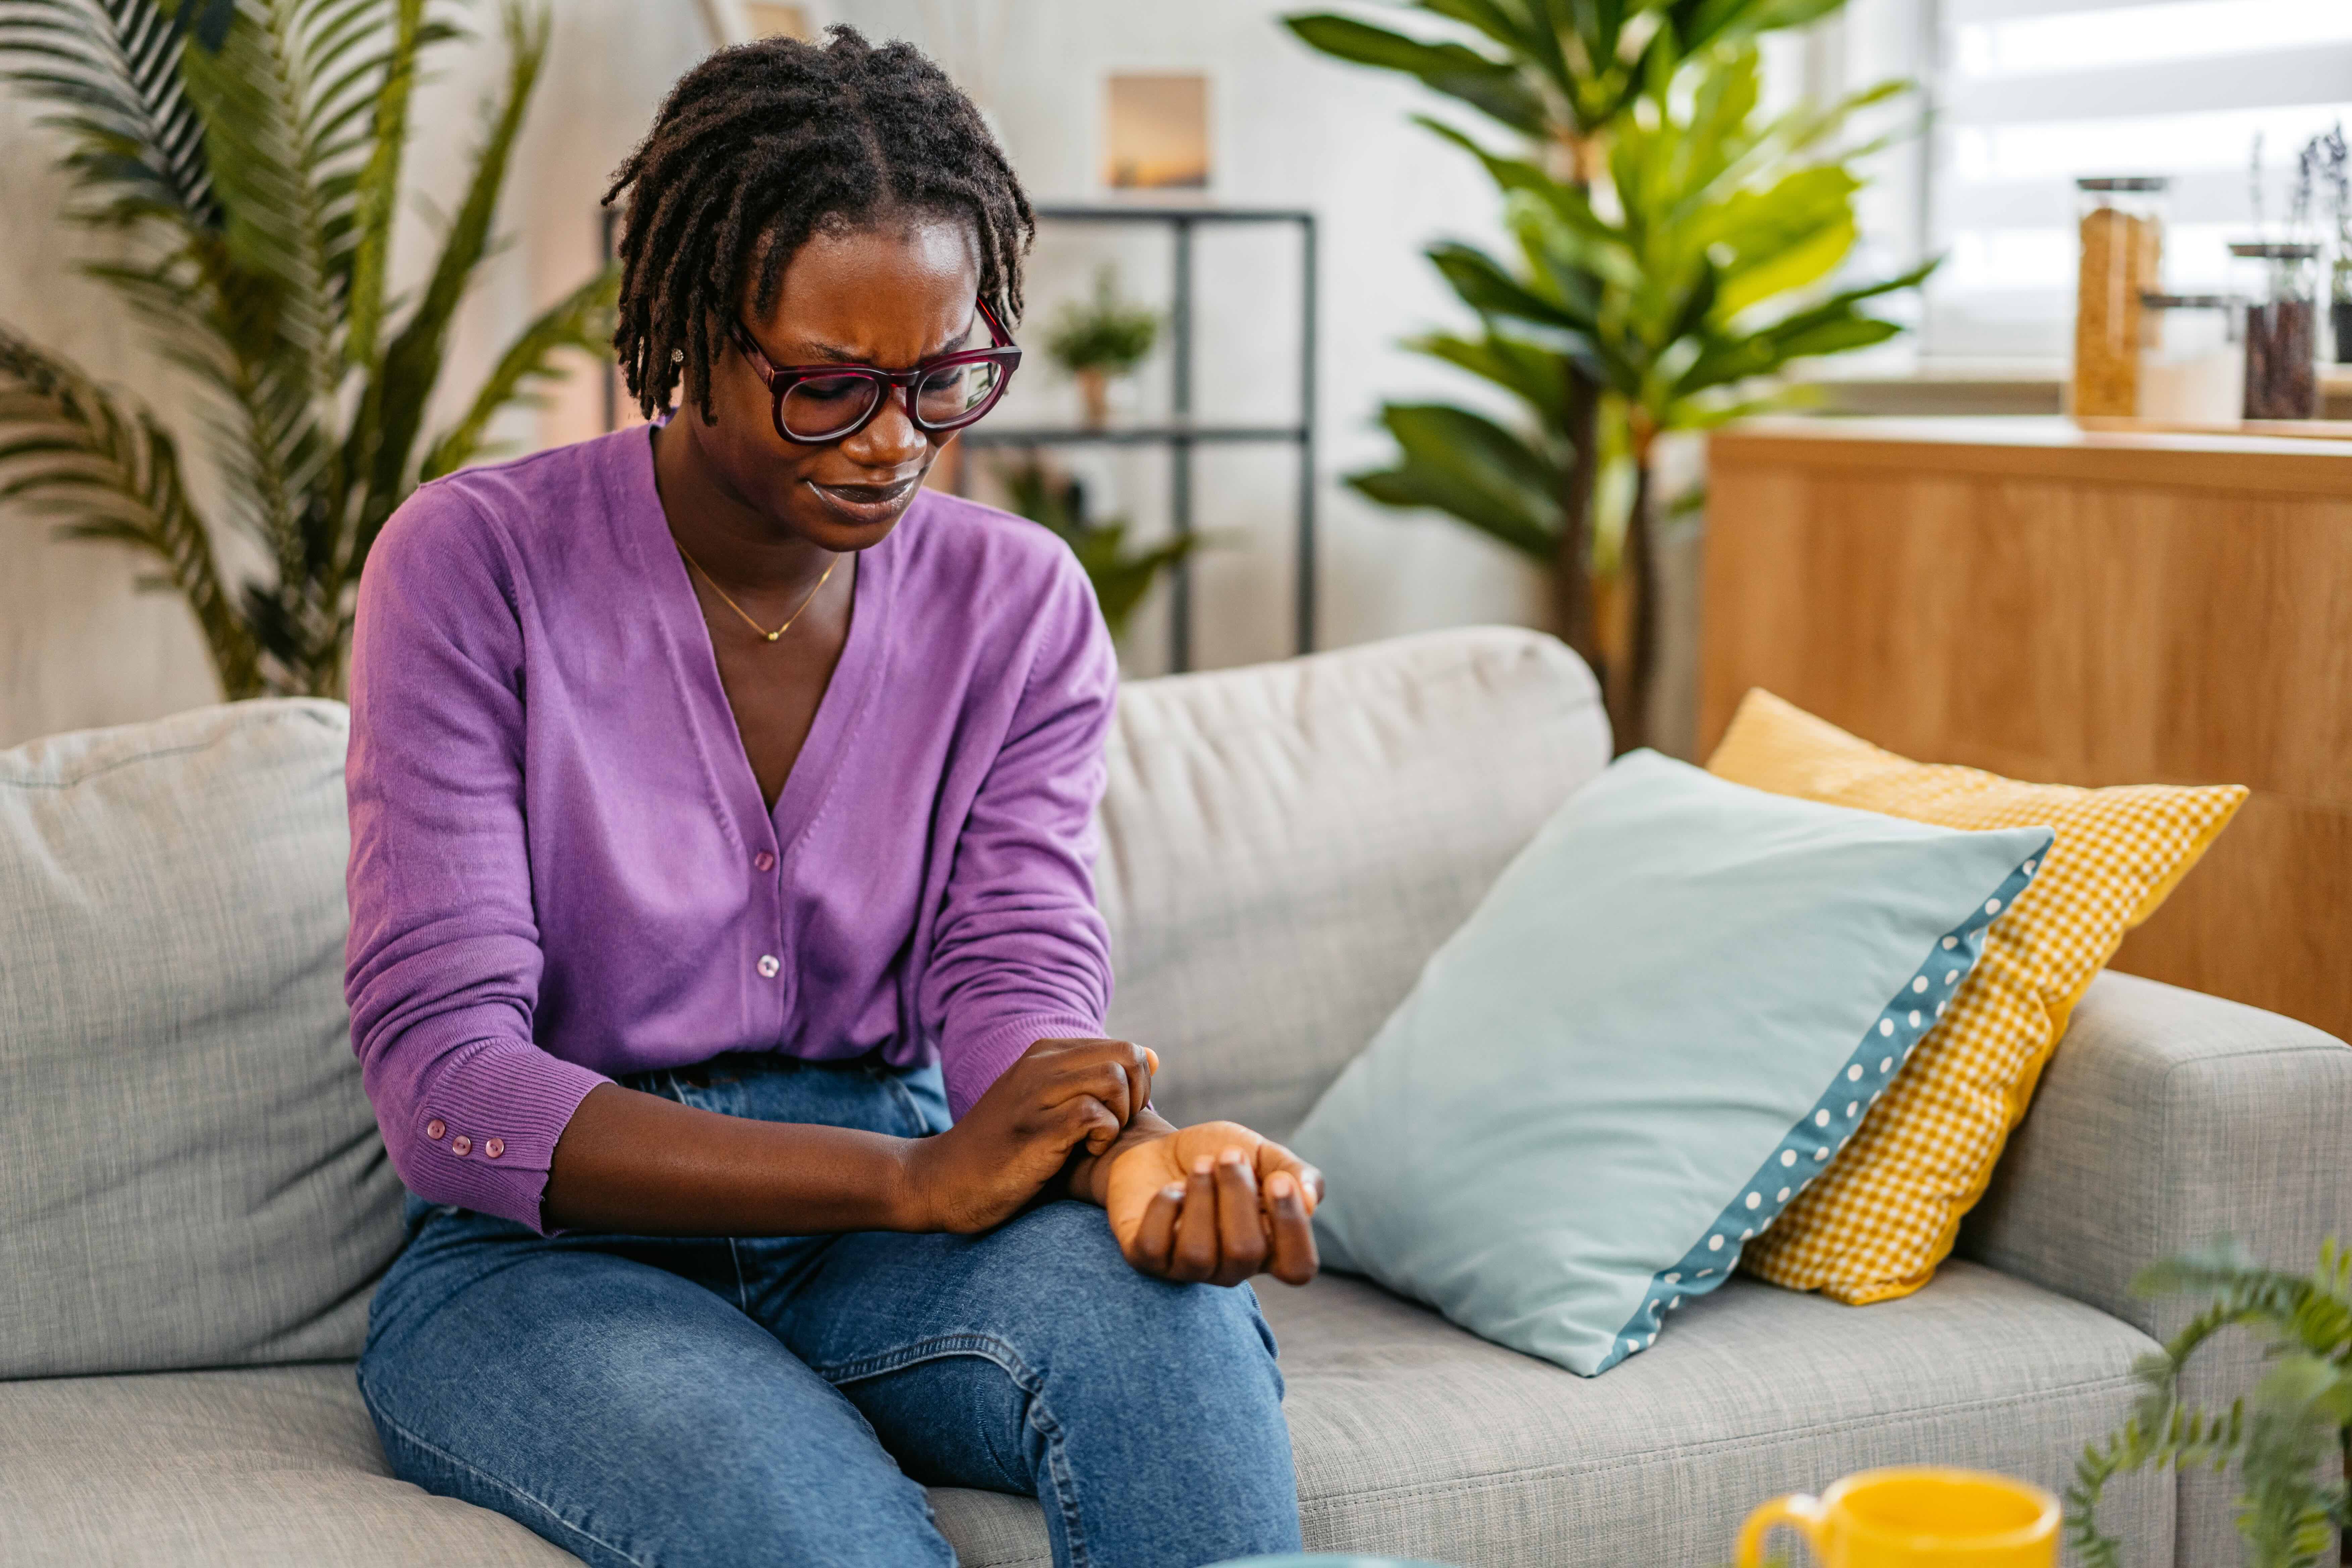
{"x":2289,"y":1439}
{"x":244,"y":159}
{"x":1673,"y":253}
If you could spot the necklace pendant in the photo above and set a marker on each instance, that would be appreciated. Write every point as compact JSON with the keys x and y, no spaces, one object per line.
{"x":774,"y":635}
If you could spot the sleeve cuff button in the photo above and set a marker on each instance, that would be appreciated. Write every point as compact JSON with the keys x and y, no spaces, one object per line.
{"x":435,"y":1129}
{"x":461,"y":1145}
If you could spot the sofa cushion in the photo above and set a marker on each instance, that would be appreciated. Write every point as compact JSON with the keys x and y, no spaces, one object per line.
{"x":263,"y":1468}
{"x":1413,"y":1439}
{"x":1283,"y":845}
{"x":189,"y":1172}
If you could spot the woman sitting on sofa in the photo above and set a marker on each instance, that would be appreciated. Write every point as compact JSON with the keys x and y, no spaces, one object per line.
{"x":724,"y":963}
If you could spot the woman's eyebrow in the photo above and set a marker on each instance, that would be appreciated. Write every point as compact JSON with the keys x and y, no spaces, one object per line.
{"x":834,"y":354}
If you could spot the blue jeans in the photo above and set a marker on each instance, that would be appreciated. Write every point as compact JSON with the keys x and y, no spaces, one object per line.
{"x":650,"y":1400}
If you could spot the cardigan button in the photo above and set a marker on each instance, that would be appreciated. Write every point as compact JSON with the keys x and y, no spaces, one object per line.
{"x":769,"y":967}
{"x":763,"y":861}
{"x":461,"y":1145}
{"x":436,"y":1127}
{"x":494,"y":1147}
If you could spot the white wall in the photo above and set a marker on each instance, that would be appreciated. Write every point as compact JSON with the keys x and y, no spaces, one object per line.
{"x":78,"y":647}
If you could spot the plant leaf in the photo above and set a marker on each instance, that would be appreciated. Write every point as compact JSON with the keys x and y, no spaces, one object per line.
{"x":1465,"y":464}
{"x":115,"y":474}
{"x":378,"y":450}
{"x":376,"y":194}
{"x":1494,"y":87}
{"x":581,"y":319}
{"x":111,"y":66}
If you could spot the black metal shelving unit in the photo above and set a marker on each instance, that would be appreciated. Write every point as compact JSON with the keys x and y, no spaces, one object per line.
{"x":1180,"y":435}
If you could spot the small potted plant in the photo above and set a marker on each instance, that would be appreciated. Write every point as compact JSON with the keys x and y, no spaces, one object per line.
{"x":1101,"y":338}
{"x":2289,"y":1439}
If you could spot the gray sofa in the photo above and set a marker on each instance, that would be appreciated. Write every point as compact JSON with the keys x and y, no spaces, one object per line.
{"x":194,"y":1203}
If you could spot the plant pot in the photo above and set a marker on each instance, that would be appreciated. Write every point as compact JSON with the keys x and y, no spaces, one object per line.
{"x":1094,"y":395}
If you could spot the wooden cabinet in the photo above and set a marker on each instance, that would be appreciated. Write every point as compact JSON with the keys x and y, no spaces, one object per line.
{"x":2016,"y":595}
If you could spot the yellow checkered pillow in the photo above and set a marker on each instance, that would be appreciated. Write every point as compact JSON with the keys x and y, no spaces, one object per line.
{"x":1877,"y":1223}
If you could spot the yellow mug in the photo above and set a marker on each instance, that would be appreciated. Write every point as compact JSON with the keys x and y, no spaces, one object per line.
{"x":1915,"y":1517}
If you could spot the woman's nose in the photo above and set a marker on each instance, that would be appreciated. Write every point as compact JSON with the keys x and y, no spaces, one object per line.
{"x":891,"y":440}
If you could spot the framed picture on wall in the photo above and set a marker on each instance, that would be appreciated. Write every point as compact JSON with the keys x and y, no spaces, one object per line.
{"x":1156,"y":130}
{"x":741,"y":21}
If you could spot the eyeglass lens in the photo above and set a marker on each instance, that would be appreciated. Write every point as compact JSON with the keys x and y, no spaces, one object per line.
{"x":826,"y":406}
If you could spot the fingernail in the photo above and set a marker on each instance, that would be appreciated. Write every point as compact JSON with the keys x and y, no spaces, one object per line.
{"x":1278,"y":1185}
{"x":1203,"y":1166}
{"x":1230,"y":1157}
{"x":1173,"y":1190}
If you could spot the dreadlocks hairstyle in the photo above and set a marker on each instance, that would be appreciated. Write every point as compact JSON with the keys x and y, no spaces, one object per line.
{"x":762,"y":144}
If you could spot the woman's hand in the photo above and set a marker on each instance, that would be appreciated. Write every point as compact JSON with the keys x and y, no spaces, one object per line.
{"x":1059,"y":1097}
{"x":1212,"y":1202}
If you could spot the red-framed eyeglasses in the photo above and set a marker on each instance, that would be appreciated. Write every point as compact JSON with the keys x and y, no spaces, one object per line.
{"x":816,"y":404}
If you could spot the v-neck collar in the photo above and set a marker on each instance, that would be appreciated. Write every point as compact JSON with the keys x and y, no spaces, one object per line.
{"x":695,"y":662}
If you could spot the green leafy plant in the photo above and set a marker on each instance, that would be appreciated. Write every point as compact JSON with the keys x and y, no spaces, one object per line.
{"x":1097,"y":339}
{"x":245,"y":158}
{"x":1104,"y":333}
{"x":2290,"y":1441}
{"x":1672,"y":248}
{"x":1120,"y":576}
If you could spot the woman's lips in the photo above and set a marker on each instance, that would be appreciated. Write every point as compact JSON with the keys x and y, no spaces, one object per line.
{"x":866,"y":505}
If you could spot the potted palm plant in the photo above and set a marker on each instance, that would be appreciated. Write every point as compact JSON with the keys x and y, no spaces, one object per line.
{"x":245,"y":156}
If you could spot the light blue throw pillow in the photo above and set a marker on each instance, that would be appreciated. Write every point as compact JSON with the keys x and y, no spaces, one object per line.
{"x":1669,"y":1013}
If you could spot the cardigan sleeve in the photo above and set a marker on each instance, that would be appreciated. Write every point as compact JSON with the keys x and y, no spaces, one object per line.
{"x":1020,"y":953}
{"x":443,"y":962}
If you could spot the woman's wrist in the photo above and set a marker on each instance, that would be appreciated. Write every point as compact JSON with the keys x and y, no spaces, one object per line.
{"x":1090,"y":1175}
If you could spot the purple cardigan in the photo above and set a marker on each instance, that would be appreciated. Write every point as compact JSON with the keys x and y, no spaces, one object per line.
{"x":562,"y":868}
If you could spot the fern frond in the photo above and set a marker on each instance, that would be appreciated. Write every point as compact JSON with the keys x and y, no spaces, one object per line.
{"x":253,"y":95}
{"x":111,"y":69}
{"x":2171,"y":1436}
{"x":376,"y":193}
{"x":581,"y":319}
{"x":378,"y":451}
{"x":67,"y":448}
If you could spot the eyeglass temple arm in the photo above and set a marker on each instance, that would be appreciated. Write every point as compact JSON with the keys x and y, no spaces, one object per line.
{"x":995,"y":324}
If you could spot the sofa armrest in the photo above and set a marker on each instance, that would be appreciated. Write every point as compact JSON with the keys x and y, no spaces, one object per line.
{"x":2165,"y":1118}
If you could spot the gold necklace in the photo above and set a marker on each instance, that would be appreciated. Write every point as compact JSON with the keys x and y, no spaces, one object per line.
{"x":738,"y":609}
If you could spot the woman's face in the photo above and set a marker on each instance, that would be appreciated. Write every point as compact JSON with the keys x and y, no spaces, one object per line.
{"x":889,"y":296}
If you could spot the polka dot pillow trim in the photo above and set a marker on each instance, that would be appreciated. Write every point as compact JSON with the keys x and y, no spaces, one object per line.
{"x":1887,"y":1210}
{"x":1824,"y":1132}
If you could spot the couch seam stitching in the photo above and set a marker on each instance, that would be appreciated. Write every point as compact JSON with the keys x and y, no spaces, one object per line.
{"x":1658,"y":1455}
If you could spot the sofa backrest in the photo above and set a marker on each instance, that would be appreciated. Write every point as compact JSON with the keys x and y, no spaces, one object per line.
{"x":189,"y":1175}
{"x":1284,"y":846}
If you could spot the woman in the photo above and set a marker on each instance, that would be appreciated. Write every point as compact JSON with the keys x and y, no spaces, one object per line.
{"x":724,"y":965}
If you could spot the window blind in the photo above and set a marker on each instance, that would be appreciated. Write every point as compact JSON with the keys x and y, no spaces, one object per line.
{"x":2030,"y":94}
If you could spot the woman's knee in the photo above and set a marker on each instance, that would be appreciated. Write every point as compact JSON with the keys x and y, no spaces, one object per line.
{"x":1209,"y":1336}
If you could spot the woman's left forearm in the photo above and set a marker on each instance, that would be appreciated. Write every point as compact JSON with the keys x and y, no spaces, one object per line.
{"x":1086,"y":1178}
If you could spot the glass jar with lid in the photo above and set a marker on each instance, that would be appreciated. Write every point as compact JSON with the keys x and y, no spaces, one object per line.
{"x":2120,"y":221}
{"x":2280,"y":280}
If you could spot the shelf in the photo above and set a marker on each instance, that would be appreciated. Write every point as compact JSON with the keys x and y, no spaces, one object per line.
{"x":1182,"y":431}
{"x":1132,"y":435}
